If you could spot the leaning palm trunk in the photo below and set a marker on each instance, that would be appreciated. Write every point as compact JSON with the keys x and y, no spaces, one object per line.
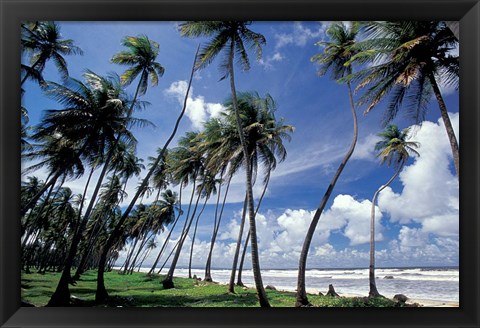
{"x":247,"y":239}
{"x":208,"y":266}
{"x":145,"y":254}
{"x":231,"y":284}
{"x":101,"y":293}
{"x":168,"y":281}
{"x":371,"y":275}
{"x":165,"y":243}
{"x":193,"y":239}
{"x":301,"y":297}
{"x":257,"y":276}
{"x":448,"y":124}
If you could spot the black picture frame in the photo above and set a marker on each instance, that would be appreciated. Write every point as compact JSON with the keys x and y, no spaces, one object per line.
{"x":14,"y":11}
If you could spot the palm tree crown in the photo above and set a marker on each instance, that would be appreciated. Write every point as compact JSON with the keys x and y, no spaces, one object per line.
{"x":234,"y":34}
{"x":394,"y":146}
{"x":141,"y":55}
{"x":44,"y":41}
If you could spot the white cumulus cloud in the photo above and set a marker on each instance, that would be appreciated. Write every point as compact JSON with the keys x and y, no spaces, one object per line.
{"x":198,"y":109}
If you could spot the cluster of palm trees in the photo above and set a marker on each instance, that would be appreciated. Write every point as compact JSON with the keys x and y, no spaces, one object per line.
{"x":93,"y":133}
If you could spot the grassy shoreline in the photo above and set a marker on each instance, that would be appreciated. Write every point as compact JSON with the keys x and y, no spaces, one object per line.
{"x":140,"y":290}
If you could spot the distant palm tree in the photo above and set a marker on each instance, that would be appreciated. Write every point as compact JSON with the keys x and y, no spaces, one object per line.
{"x":43,"y":42}
{"x":393,"y":148}
{"x":207,"y":187}
{"x":414,"y":58}
{"x":188,"y":167}
{"x":335,"y":59}
{"x":231,"y":38}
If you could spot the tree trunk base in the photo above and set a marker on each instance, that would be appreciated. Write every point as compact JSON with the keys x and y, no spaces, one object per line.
{"x":101,"y":295}
{"x":168,"y":284}
{"x":331,"y":291}
{"x":303,"y":303}
{"x":240,"y":283}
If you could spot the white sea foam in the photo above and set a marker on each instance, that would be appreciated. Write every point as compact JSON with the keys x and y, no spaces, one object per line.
{"x":440,"y":284}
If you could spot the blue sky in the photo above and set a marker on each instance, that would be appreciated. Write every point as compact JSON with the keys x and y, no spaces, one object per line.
{"x":417,"y":216}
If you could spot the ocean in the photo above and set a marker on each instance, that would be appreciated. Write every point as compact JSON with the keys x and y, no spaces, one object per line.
{"x":435,"y":283}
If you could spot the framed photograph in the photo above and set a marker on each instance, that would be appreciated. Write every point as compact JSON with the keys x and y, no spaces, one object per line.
{"x":297,"y":157}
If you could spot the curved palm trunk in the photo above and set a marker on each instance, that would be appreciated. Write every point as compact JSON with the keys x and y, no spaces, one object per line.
{"x":144,"y":237}
{"x":165,"y":243}
{"x":371,"y":274}
{"x":262,"y":296}
{"x":231,"y":284}
{"x":83,"y":198}
{"x":301,"y":296}
{"x":146,"y":253}
{"x":169,"y":256}
{"x":208,"y":265}
{"x":168,"y":282}
{"x":140,"y":248}
{"x":448,"y":124}
{"x":101,"y":293}
{"x":247,"y":239}
{"x":193,"y":239}
{"x":242,"y":261}
{"x":129,"y":266}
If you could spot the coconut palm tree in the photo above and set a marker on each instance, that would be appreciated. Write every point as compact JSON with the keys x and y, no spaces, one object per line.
{"x":92,"y":115}
{"x":141,"y":55}
{"x":233,"y":36}
{"x":394,"y":148}
{"x":42,"y":41}
{"x":206,"y":187}
{"x":264,"y":136}
{"x":414,"y":59}
{"x":101,"y":292}
{"x":188,"y":167}
{"x":111,"y":95}
{"x":335,"y":59}
{"x":161,"y":213}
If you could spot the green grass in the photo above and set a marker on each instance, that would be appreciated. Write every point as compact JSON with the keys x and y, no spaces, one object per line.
{"x":140,"y":290}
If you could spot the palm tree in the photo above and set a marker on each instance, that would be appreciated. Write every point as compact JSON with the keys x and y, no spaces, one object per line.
{"x":101,"y":293}
{"x":414,"y":59}
{"x":247,"y":239}
{"x":207,"y":187}
{"x":335,"y":58}
{"x":232,"y":36}
{"x":160,"y":213}
{"x":151,"y":244}
{"x":188,"y":167}
{"x":393,"y":148}
{"x":111,"y":95}
{"x":43,"y":42}
{"x":92,"y":115}
{"x":141,"y":55}
{"x":263,"y":135}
